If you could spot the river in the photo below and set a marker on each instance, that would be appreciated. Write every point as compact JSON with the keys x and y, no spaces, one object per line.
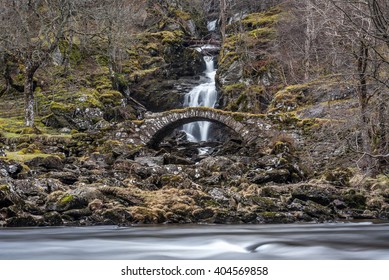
{"x":272,"y":242}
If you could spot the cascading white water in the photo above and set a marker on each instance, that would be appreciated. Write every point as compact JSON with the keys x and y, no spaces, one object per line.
{"x":202,"y":95}
{"x":212,"y":25}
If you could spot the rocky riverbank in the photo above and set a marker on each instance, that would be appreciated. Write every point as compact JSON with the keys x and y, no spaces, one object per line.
{"x":232,"y":184}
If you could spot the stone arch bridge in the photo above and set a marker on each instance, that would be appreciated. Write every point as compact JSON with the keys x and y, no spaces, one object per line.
{"x":156,"y":126}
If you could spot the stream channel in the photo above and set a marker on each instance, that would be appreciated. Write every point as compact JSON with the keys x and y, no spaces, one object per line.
{"x":351,"y":241}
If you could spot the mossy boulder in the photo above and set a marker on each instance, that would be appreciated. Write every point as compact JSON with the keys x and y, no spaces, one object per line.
{"x":289,"y":98}
{"x":83,"y":109}
{"x":66,"y":202}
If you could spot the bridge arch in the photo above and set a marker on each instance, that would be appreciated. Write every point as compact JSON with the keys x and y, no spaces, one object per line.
{"x":158,"y":125}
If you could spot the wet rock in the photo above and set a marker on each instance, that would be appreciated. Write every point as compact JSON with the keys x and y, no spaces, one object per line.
{"x":24,"y":221}
{"x":275,"y":218}
{"x":317,"y":194}
{"x":384,"y":214}
{"x":318,"y":211}
{"x":52,"y":219}
{"x":78,"y":213}
{"x":203,"y":214}
{"x":3,"y":173}
{"x":117,"y":216}
{"x":225,"y":217}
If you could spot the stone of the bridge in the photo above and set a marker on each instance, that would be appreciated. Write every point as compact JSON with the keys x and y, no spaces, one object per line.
{"x":158,"y":125}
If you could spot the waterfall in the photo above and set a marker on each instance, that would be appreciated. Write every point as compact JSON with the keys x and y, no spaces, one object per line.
{"x":202,"y":95}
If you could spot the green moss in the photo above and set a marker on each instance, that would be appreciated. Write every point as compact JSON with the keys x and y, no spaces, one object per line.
{"x":138,"y":122}
{"x":17,"y":156}
{"x":74,"y":53}
{"x":238,"y":117}
{"x":102,"y":82}
{"x":259,"y":20}
{"x":141,"y":74}
{"x":31,"y":149}
{"x":168,"y":37}
{"x":111,"y":97}
{"x":289,"y":98}
{"x":12,"y":125}
{"x":354,"y":199}
{"x":263,"y":33}
{"x":4,"y":188}
{"x":56,"y":106}
{"x":269,"y":214}
{"x":66,"y":199}
{"x":234,"y":88}
{"x":182,"y":15}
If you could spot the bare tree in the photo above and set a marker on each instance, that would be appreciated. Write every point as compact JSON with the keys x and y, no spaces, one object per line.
{"x":30,"y":32}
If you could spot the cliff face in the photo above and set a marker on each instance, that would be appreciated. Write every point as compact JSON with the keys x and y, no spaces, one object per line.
{"x":248,"y":75}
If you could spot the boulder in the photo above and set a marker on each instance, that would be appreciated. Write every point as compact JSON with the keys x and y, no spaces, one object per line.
{"x":316,"y":193}
{"x":24,"y":221}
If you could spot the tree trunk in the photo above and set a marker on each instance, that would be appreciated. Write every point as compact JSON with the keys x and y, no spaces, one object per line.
{"x":29,"y":97}
{"x":309,"y":34}
{"x":362,"y":61}
{"x":223,"y":18}
{"x":382,"y":136}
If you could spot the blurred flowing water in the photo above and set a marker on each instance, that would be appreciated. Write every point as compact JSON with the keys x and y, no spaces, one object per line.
{"x":293,"y":241}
